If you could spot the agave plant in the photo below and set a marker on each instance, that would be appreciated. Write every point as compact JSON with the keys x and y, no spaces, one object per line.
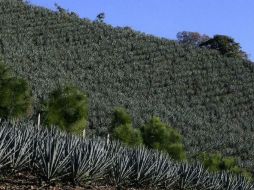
{"x":231,"y":182}
{"x":89,"y":161}
{"x":244,"y":184}
{"x":164,"y":173}
{"x":143,"y":167}
{"x":21,"y":146}
{"x":213,"y":182}
{"x":121,"y":169}
{"x":5,"y":146}
{"x":191,"y":176}
{"x":52,"y":162}
{"x":55,"y":155}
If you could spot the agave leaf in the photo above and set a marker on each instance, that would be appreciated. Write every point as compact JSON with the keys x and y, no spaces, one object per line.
{"x":5,"y":147}
{"x":122,"y":169}
{"x":89,"y":161}
{"x":22,"y":144}
{"x":164,"y":173}
{"x":52,"y":162}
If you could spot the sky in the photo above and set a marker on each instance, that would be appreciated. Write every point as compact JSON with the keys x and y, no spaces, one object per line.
{"x":164,"y":18}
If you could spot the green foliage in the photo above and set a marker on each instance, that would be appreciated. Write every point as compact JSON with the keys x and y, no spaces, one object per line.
{"x":158,"y":135}
{"x":120,"y":117}
{"x":122,"y":128}
{"x":176,"y":151}
{"x":127,"y":134}
{"x":225,"y":45}
{"x":15,"y":96}
{"x":68,"y":109}
{"x":212,"y":162}
{"x":206,"y":95}
{"x":216,"y":162}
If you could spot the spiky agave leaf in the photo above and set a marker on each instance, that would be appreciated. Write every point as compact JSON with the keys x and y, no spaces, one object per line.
{"x":143,"y":167}
{"x":122,"y":169}
{"x":38,"y":134}
{"x":89,"y":161}
{"x":191,"y":176}
{"x":243,"y":183}
{"x":172,"y":176}
{"x":230,"y":182}
{"x":5,"y":146}
{"x":164,"y":173}
{"x":22,"y":144}
{"x":52,"y":162}
{"x":113,"y":147}
{"x":92,"y":160}
{"x":201,"y":175}
{"x":213,"y":182}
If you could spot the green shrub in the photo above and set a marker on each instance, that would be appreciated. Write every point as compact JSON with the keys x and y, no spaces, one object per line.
{"x":68,"y":109}
{"x":158,"y":135}
{"x":176,"y":151}
{"x":120,"y":117}
{"x":122,"y":129}
{"x":127,"y":134}
{"x":212,"y":162}
{"x":216,"y":162}
{"x":15,"y":96}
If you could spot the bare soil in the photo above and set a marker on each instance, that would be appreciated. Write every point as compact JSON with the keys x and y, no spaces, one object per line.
{"x":25,"y":181}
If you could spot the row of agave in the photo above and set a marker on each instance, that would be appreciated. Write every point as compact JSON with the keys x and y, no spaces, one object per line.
{"x":54,"y":156}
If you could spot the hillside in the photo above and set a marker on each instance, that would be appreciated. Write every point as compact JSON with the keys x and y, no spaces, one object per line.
{"x":207,"y":96}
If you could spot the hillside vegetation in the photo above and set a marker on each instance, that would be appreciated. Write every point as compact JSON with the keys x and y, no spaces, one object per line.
{"x":207,"y":96}
{"x":51,"y":157}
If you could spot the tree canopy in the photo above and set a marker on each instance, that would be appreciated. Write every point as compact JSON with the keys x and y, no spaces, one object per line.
{"x":191,"y":38}
{"x":225,"y":45}
{"x":158,"y":135}
{"x":122,"y":128}
{"x":15,"y":96}
{"x":67,"y":108}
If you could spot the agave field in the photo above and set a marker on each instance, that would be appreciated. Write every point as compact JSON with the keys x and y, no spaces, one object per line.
{"x":208,"y":97}
{"x":54,"y":156}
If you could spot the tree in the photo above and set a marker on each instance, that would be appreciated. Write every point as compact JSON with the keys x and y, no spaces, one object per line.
{"x":158,"y":135}
{"x":15,"y":96}
{"x":67,"y":108}
{"x":122,"y":129}
{"x":60,"y":9}
{"x":225,"y":45}
{"x":127,"y":134}
{"x":120,"y":117}
{"x":100,"y":17}
{"x":191,"y":38}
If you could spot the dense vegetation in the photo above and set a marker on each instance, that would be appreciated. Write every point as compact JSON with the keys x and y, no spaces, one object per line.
{"x":15,"y":95}
{"x":54,"y":156}
{"x":122,"y":129}
{"x":207,"y":96}
{"x":216,"y":162}
{"x":66,"y":108}
{"x":153,"y":134}
{"x":158,"y":135}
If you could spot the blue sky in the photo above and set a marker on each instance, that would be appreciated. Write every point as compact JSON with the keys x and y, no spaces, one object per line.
{"x":165,"y":18}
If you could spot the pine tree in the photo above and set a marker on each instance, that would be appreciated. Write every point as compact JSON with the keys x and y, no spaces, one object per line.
{"x":122,"y":129}
{"x":157,"y":135}
{"x":67,"y":108}
{"x":15,"y":96}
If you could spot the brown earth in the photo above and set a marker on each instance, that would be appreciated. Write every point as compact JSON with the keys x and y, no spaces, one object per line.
{"x":25,"y":181}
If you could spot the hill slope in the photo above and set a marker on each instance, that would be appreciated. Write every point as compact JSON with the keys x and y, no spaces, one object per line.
{"x":205,"y":95}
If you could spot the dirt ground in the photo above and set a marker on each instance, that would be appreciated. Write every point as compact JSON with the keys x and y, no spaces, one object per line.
{"x":26,"y":181}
